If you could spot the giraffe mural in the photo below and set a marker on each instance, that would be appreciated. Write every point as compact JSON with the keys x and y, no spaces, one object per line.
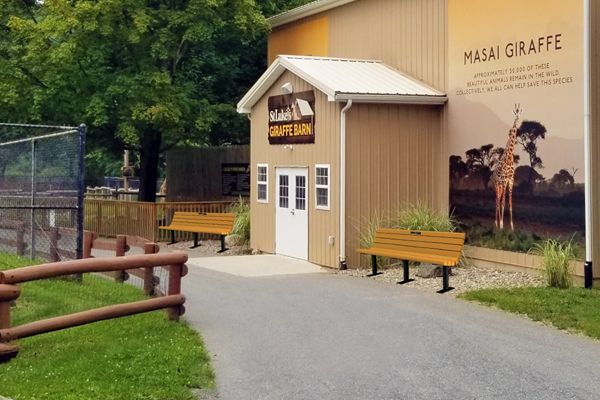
{"x":504,"y":174}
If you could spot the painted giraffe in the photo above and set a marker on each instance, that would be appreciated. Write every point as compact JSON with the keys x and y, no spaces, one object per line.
{"x":504,"y":174}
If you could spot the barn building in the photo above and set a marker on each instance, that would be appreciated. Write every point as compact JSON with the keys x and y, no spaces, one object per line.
{"x":366,"y":103}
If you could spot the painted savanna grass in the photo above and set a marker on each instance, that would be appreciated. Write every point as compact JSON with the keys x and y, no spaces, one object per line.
{"x":145,"y":356}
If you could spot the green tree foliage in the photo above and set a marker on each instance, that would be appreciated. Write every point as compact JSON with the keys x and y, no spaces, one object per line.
{"x":143,"y":74}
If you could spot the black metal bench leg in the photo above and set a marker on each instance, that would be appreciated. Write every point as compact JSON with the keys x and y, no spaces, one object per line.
{"x":374,"y":266}
{"x":195,"y":241}
{"x":172,"y":238}
{"x":446,"y":279}
{"x":223,"y":244}
{"x":406,"y":279}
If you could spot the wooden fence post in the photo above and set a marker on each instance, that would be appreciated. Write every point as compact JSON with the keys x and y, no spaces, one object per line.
{"x":99,"y":216}
{"x":21,"y":240}
{"x":88,"y":243}
{"x":121,"y":243}
{"x":149,"y":248}
{"x":8,"y":293}
{"x":54,"y":238}
{"x":155,"y":224}
{"x":176,"y":272}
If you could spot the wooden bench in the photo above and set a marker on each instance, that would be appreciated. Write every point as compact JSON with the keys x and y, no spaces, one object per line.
{"x":439,"y":248}
{"x":213,"y":223}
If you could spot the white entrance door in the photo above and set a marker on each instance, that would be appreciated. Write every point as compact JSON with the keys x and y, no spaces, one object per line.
{"x":291,"y":226}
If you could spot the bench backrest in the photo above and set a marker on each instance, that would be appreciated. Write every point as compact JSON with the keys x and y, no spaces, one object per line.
{"x":420,"y":242}
{"x":209,"y":220}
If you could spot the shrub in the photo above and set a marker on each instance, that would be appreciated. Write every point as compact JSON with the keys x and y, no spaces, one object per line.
{"x":419,"y":217}
{"x":556,"y":262}
{"x":241,"y":225}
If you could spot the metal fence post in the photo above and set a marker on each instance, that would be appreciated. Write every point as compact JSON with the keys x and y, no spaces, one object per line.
{"x":81,"y":190}
{"x":33,"y":189}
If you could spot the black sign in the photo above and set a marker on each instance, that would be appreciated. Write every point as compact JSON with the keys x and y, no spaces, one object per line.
{"x":292,"y":118}
{"x":235,"y":179}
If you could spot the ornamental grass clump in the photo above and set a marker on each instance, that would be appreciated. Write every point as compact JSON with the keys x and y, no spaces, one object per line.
{"x":367,"y":229}
{"x":420,"y":217}
{"x":556,"y":262}
{"x":241,"y":224}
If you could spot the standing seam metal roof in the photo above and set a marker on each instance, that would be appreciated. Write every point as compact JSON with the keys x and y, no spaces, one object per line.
{"x":343,"y":79}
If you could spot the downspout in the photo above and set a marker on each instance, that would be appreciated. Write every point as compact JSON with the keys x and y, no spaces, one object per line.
{"x":343,"y":186}
{"x":588,"y":271}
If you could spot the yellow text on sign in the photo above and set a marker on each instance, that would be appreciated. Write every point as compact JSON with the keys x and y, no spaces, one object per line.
{"x":289,"y":130}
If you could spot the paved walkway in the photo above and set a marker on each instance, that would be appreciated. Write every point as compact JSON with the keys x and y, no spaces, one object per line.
{"x":323,"y":336}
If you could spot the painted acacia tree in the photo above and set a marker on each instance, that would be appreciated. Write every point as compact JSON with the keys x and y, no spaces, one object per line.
{"x":131,"y":69}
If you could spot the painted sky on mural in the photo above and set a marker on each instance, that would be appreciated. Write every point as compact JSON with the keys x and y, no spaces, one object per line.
{"x":527,"y":52}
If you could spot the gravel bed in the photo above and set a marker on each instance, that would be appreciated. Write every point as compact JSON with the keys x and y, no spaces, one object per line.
{"x":211,"y":247}
{"x":463,"y":280}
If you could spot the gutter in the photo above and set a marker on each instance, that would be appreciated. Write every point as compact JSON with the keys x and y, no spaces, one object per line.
{"x":343,"y":185}
{"x":306,"y":10}
{"x":588,"y":271}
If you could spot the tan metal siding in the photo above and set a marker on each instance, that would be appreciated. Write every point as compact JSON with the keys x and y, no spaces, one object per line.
{"x":407,"y":34}
{"x":410,"y":35}
{"x":595,"y":167}
{"x":325,"y":150}
{"x":394,"y":155}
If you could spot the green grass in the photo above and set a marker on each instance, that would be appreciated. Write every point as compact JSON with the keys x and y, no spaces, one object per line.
{"x":145,"y":356}
{"x":574,"y":309}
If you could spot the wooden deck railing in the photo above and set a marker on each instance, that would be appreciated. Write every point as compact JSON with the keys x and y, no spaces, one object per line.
{"x":112,"y":218}
{"x":9,"y":291}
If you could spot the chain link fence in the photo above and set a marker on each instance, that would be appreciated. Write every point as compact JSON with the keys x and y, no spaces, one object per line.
{"x":41,"y":191}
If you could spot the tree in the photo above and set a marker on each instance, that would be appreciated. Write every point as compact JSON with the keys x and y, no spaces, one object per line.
{"x":481,"y":161}
{"x":562,"y":179}
{"x":129,"y":69}
{"x":523,"y":174}
{"x":458,"y":170}
{"x":527,"y":136}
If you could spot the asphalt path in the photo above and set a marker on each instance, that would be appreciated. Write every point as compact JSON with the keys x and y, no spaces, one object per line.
{"x":325,"y":336}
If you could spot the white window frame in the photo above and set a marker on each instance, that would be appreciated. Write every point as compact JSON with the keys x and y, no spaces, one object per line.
{"x":328,"y":187}
{"x":265,"y":183}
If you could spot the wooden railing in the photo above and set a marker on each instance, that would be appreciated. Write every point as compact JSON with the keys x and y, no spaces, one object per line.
{"x":112,"y":218}
{"x":9,"y":291}
{"x":120,"y":246}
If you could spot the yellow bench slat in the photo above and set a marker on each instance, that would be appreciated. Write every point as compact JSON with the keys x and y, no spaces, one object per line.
{"x":420,"y":257}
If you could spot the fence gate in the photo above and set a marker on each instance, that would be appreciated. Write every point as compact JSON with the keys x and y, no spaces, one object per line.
{"x":41,"y":191}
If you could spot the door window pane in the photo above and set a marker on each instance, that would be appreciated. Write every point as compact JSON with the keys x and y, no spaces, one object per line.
{"x":283,"y":191}
{"x":300,"y":192}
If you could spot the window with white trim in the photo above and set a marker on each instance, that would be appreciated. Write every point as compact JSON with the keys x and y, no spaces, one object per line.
{"x":322,"y":183}
{"x":262,"y":183}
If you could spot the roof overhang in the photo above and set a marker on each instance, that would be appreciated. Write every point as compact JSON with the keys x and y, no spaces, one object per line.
{"x":306,"y":11}
{"x":319,"y":81}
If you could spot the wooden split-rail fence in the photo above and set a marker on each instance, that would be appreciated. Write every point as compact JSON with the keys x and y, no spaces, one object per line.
{"x":9,"y":291}
{"x":52,"y":252}
{"x":119,"y":248}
